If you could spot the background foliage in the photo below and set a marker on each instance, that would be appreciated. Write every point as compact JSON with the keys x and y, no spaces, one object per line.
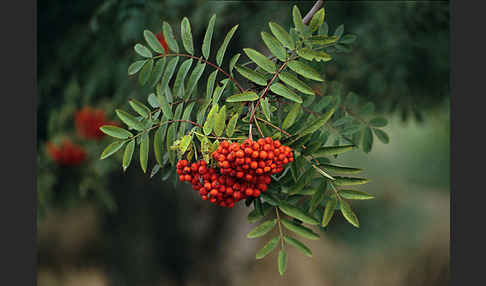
{"x":400,"y":62}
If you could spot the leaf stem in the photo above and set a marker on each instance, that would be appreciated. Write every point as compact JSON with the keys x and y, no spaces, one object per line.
{"x":274,"y":126}
{"x":279,"y":228}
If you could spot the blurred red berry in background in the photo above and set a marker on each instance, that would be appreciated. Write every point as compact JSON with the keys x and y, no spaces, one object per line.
{"x":88,"y":122}
{"x":67,"y":154}
{"x":162,"y":41}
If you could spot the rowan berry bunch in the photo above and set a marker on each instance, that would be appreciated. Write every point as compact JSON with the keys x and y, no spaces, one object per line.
{"x":244,"y":170}
{"x":279,"y":96}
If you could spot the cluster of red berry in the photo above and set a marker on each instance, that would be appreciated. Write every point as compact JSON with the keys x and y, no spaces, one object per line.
{"x":67,"y":154}
{"x":244,"y":170}
{"x":88,"y":121}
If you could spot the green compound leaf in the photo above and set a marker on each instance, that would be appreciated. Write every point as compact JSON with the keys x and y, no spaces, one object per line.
{"x":209,"y":124}
{"x":282,"y":35}
{"x":245,"y":96}
{"x":382,"y":136}
{"x":297,"y":213}
{"x":285,"y":92}
{"x":252,"y":75}
{"x":349,"y":181}
{"x":144,"y":150}
{"x":139,"y":107}
{"x":282,"y":261}
{"x":230,"y":129}
{"x":219,"y":122}
{"x":291,"y":80}
{"x":129,"y":120}
{"x":127,"y":155}
{"x":186,"y":35}
{"x":329,"y":210}
{"x":206,"y":46}
{"x":153,"y":42}
{"x":332,"y":150}
{"x":274,"y":46}
{"x":145,"y":73}
{"x":269,"y":247}
{"x":224,"y":45}
{"x":311,"y":55}
{"x":348,"y":213}
{"x":299,"y":229}
{"x":261,"y":60}
{"x":317,"y":20}
{"x":291,"y":116}
{"x":116,"y":132}
{"x":111,"y":149}
{"x":262,"y":229}
{"x":299,"y":245}
{"x":143,"y":51}
{"x":135,"y":67}
{"x":305,"y":70}
{"x":169,"y":37}
{"x":355,"y":195}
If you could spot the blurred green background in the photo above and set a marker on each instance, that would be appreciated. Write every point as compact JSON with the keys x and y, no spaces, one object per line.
{"x":100,"y":226}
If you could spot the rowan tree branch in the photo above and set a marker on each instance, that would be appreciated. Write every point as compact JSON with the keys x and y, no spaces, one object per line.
{"x":312,"y":11}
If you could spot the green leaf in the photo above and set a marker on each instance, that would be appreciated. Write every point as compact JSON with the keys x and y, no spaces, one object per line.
{"x":297,"y":213}
{"x":285,"y":92}
{"x":224,"y":45}
{"x":261,"y":60}
{"x":311,"y":55}
{"x":332,"y":150}
{"x":111,"y":149}
{"x":186,"y":116}
{"x":209,"y":124}
{"x":159,"y":144}
{"x":144,"y":150}
{"x":322,"y":172}
{"x":232,"y":62}
{"x":245,"y":96}
{"x":129,"y":120}
{"x":185,"y":142}
{"x":139,"y":107}
{"x":282,"y":261}
{"x":348,"y":213}
{"x":323,"y":40}
{"x":349,"y":181}
{"x":378,"y":122}
{"x":219,"y":122}
{"x":262,"y":229}
{"x":274,"y":46}
{"x":194,"y":78}
{"x":153,"y":42}
{"x":187,"y":36}
{"x":291,"y":116}
{"x":339,"y":31}
{"x":299,"y":229}
{"x":317,"y":197}
{"x":157,"y":72}
{"x":202,"y":111}
{"x":271,"y":244}
{"x":305,"y":70}
{"x":169,"y":37}
{"x":348,"y":39}
{"x":252,"y":75}
{"x":317,"y":20}
{"x":368,"y":108}
{"x":282,"y":35}
{"x":266,"y":108}
{"x":341,"y":169}
{"x":116,"y":132}
{"x":144,"y":74}
{"x":291,"y":80}
{"x":181,"y":76}
{"x":218,"y":91}
{"x":297,"y":19}
{"x":299,"y":245}
{"x":164,"y":104}
{"x":329,"y":210}
{"x":169,"y":72}
{"x":318,"y":123}
{"x":210,"y":84}
{"x":127,"y":155}
{"x":367,"y":140}
{"x":135,"y":67}
{"x":231,"y":125}
{"x":382,"y":136}
{"x":206,"y":46}
{"x":355,"y":195}
{"x":143,"y":51}
{"x":169,"y":140}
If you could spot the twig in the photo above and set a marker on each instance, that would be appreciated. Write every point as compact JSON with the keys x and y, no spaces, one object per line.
{"x":312,"y":11}
{"x":274,"y":126}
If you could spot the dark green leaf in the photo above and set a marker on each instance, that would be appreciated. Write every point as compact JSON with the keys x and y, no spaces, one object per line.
{"x":348,"y":213}
{"x":219,"y":121}
{"x":299,"y":229}
{"x":224,"y":45}
{"x":339,"y":31}
{"x":209,"y":124}
{"x":297,"y":213}
{"x":187,"y":36}
{"x":210,"y":84}
{"x":355,"y":195}
{"x":266,"y":108}
{"x":111,"y":149}
{"x":129,"y":120}
{"x":262,"y":229}
{"x":305,"y":70}
{"x":261,"y":60}
{"x":299,"y":245}
{"x":318,"y":123}
{"x":282,"y":261}
{"x":218,"y":91}
{"x":285,"y":92}
{"x":159,"y":144}
{"x":169,"y":37}
{"x":332,"y":150}
{"x":181,"y":76}
{"x":311,"y":55}
{"x":153,"y":42}
{"x":268,"y":247}
{"x":341,"y":169}
{"x":329,"y":211}
{"x":169,"y":140}
{"x":144,"y":149}
{"x":367,"y":140}
{"x":116,"y":132}
{"x":291,"y":116}
{"x":245,"y":96}
{"x":348,"y":39}
{"x":143,"y":51}
{"x":382,"y":136}
{"x":232,"y":62}
{"x":145,"y":73}
{"x":169,"y":72}
{"x":378,"y":122}
{"x":206,"y":46}
{"x":127,"y":155}
{"x":349,"y":181}
{"x":139,"y":107}
{"x":292,"y":81}
{"x":323,"y":40}
{"x":194,"y":78}
{"x":274,"y":46}
{"x":231,"y":125}
{"x":157,"y":72}
{"x":252,"y":75}
{"x":317,"y":20}
{"x":297,"y":19}
{"x":282,"y":35}
{"x":135,"y":67}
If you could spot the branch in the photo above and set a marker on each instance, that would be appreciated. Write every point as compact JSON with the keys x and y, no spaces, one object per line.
{"x":312,"y":11}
